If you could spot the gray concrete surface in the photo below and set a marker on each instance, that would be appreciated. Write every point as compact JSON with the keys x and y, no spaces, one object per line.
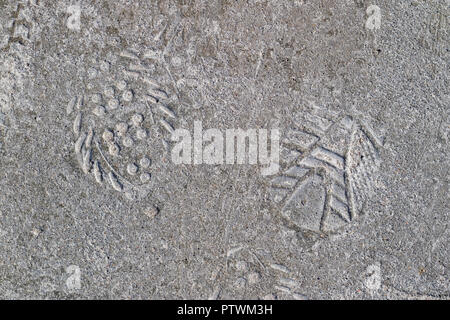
{"x":359,"y":90}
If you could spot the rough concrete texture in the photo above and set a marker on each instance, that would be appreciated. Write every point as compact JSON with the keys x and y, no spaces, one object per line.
{"x":92,"y":206}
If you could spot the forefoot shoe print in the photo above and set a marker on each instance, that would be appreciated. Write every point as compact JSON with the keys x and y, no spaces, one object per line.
{"x":123,"y":121}
{"x":328,"y":162}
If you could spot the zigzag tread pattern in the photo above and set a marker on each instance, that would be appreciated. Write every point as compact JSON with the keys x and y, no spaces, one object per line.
{"x":322,"y":189}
